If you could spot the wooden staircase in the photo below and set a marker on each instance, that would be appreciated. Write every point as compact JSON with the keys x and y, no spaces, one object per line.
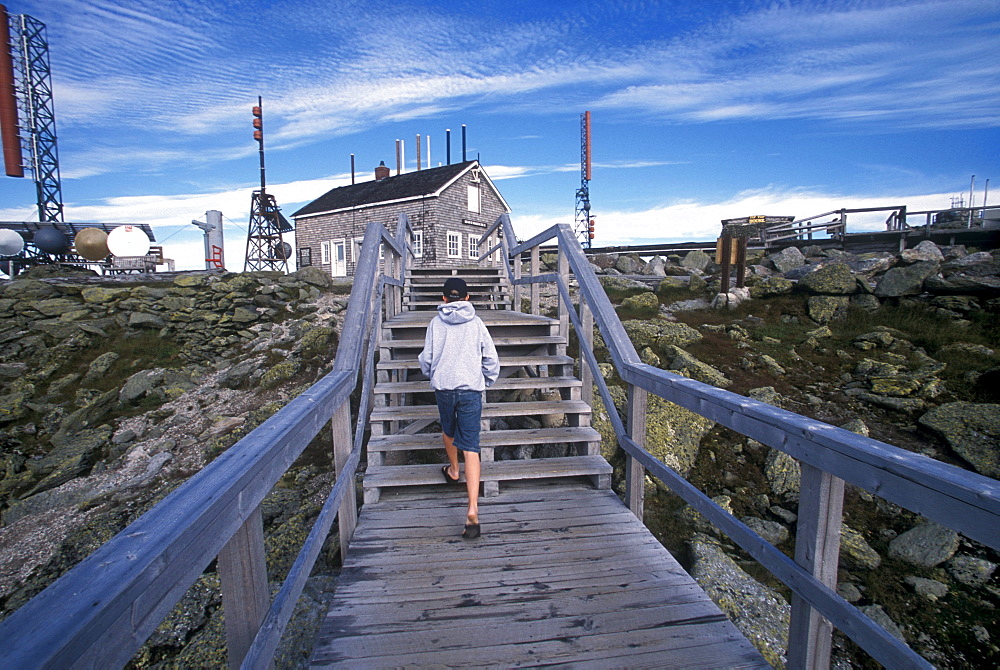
{"x":535,"y":424}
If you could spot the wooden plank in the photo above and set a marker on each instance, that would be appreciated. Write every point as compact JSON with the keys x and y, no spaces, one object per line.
{"x":594,"y":589}
{"x":490,"y":409}
{"x":245,"y":595}
{"x":817,"y":549}
{"x":493,"y":438}
{"x":498,"y":341}
{"x":537,"y":468}
{"x":635,"y":474}
{"x":505,"y":362}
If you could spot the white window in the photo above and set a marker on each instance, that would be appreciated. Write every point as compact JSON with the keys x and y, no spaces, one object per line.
{"x":356,"y":249}
{"x":474,"y":198}
{"x":454,"y":244}
{"x":474,"y":246}
{"x":324,"y":252}
{"x":418,"y":243}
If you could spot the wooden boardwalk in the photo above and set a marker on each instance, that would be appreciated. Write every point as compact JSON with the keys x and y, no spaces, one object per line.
{"x":563,"y":574}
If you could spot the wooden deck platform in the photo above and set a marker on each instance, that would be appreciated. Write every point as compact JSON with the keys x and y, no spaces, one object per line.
{"x":563,"y":574}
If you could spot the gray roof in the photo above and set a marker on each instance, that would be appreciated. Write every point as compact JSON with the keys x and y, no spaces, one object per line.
{"x":401,"y":187}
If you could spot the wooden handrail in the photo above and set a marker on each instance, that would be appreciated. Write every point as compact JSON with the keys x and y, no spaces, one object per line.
{"x":959,"y":499}
{"x":99,"y":613}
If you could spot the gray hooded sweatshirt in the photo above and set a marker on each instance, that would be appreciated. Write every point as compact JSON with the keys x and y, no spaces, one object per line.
{"x":458,"y":351}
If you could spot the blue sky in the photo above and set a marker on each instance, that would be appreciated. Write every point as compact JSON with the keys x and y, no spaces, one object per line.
{"x":701,"y":111}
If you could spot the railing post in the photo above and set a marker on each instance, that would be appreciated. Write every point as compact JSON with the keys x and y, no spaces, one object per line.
{"x":562,"y":267}
{"x":635,"y":473}
{"x":245,"y":596}
{"x":817,"y":549}
{"x":586,"y":342}
{"x":517,"y":287}
{"x":347,"y":516}
{"x":535,"y":265}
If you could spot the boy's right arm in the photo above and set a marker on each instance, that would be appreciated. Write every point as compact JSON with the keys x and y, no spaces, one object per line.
{"x":426,"y":356}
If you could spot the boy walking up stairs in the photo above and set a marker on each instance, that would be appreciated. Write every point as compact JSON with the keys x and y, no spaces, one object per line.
{"x":461,"y":361}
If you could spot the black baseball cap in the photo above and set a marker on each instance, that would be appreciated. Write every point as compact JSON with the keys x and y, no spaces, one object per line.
{"x":455,"y":289}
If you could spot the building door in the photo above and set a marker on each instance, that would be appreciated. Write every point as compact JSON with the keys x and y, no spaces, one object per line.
{"x":338,"y":264}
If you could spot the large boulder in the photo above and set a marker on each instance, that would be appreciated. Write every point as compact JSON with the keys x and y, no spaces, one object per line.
{"x":646,"y":304}
{"x":759,"y":613}
{"x":833,"y":279}
{"x":681,"y":361}
{"x":619,"y":288}
{"x":696,"y":260}
{"x":787,"y":259}
{"x":673,"y":434}
{"x":677,"y":334}
{"x":629,"y":264}
{"x":771,"y":286}
{"x":972,"y":430}
{"x":909,"y":280}
{"x":784,"y":474}
{"x":315,"y":276}
{"x":926,"y":545}
{"x":871,"y":263}
{"x":926,"y":251}
{"x":655,"y":267}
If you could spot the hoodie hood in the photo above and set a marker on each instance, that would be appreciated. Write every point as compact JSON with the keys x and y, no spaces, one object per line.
{"x":456,"y":312}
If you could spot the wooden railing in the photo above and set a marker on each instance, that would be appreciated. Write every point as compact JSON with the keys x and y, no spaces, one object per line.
{"x":98,"y":614}
{"x":829,"y":456}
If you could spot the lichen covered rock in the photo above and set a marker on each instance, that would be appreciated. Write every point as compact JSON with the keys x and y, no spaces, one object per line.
{"x":972,"y":430}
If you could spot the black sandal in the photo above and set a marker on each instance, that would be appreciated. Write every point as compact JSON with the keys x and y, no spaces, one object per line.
{"x":471,"y":531}
{"x":447,"y":477}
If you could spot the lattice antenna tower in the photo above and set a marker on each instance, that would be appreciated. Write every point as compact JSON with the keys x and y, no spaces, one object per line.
{"x":266,"y":249}
{"x":26,"y":87}
{"x":584,"y":222}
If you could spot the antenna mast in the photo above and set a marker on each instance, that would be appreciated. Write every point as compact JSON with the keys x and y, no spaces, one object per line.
{"x":266,"y":249}
{"x":584,"y":222}
{"x":24,"y":68}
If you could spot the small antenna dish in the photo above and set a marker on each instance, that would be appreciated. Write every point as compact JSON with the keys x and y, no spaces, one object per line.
{"x":11,"y":244}
{"x":128,"y":241}
{"x":51,"y":241}
{"x":92,"y":244}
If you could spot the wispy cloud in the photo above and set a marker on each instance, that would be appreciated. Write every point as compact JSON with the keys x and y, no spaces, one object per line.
{"x":191,"y":68}
{"x":692,"y":220}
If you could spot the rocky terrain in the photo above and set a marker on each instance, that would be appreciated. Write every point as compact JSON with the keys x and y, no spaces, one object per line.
{"x":901,"y":347}
{"x":112,"y":392}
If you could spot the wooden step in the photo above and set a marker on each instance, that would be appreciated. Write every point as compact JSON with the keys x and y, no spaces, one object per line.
{"x":503,"y":384}
{"x":498,"y":341}
{"x":490,"y":410}
{"x":535,"y":468}
{"x":487,"y":438}
{"x":491,"y":318}
{"x":505,"y":362}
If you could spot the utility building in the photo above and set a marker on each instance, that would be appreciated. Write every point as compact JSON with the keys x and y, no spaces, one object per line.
{"x":449,"y":207}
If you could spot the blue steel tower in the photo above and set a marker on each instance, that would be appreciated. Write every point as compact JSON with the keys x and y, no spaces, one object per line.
{"x":32,"y":80}
{"x":584,"y":222}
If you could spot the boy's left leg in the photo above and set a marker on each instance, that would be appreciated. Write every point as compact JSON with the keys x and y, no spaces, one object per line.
{"x":472,"y":484}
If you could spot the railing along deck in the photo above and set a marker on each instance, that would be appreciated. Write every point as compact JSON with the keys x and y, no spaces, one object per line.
{"x":829,"y":456}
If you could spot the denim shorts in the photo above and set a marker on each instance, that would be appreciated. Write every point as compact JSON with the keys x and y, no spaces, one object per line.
{"x":461,"y":413}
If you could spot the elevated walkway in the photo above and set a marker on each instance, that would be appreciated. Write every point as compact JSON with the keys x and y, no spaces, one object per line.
{"x":563,"y":573}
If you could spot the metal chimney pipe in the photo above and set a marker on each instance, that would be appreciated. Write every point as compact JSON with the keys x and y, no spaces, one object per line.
{"x":397,"y":158}
{"x":447,"y":141}
{"x":402,"y":154}
{"x":418,"y":151}
{"x":429,"y":164}
{"x":463,"y":142}
{"x":352,"y":169}
{"x":972,"y":202}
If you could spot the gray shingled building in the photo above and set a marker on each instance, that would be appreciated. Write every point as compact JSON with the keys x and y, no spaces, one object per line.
{"x":449,"y":207}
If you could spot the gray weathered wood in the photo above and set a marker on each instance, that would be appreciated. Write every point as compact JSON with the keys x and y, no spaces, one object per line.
{"x":817,"y":549}
{"x":243,"y":574}
{"x":535,"y":293}
{"x":342,"y":446}
{"x":635,"y":474}
{"x":533,"y":596}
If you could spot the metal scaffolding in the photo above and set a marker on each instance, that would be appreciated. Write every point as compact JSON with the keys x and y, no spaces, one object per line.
{"x":266,"y":249}
{"x":30,"y":54}
{"x":584,"y":224}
